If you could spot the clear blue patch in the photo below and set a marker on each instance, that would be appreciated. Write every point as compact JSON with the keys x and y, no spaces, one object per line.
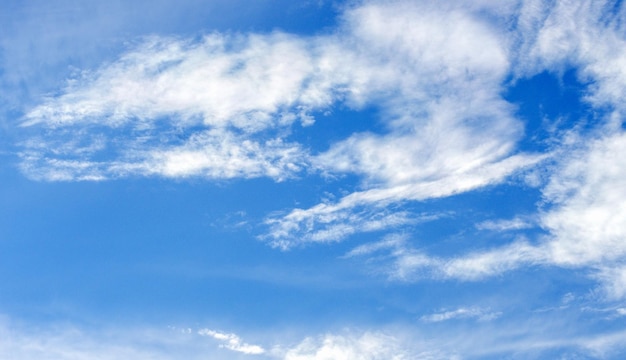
{"x":549,"y":104}
{"x":336,"y":124}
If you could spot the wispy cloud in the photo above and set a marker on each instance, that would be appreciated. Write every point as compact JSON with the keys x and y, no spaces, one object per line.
{"x":155,"y":110}
{"x":287,"y":230}
{"x":214,"y":154}
{"x":526,"y":338}
{"x":434,"y":338}
{"x":588,"y":193}
{"x":582,"y":210}
{"x":331,"y":222}
{"x":66,"y":342}
{"x":462,"y":313}
{"x":588,"y":35}
{"x":516,"y":223}
{"x":445,"y":95}
{"x":401,"y":261}
{"x":232,"y":342}
{"x":178,"y":108}
{"x":366,"y":346}
{"x":433,"y":149}
{"x":222,"y":107}
{"x":584,"y":224}
{"x":220,"y":80}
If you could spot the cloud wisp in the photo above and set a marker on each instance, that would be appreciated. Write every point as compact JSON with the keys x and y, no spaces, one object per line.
{"x":446,"y":95}
{"x":437,"y":337}
{"x":461,"y":313}
{"x":400,"y":261}
{"x":517,"y":223}
{"x":177,"y":108}
{"x":584,"y":226}
{"x":221,"y":106}
{"x":303,"y":225}
{"x":232,"y":342}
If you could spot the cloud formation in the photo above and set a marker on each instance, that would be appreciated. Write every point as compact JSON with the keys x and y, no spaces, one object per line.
{"x":401,"y":261}
{"x":161,"y":107}
{"x":232,"y":342}
{"x":527,"y":337}
{"x":301,"y":225}
{"x":461,"y":313}
{"x":224,"y":106}
{"x":449,"y":130}
{"x":178,"y":108}
{"x":366,"y":346}
{"x":517,"y":223}
{"x":584,"y":226}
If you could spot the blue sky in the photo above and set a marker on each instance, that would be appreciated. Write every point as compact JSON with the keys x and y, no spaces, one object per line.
{"x":312,"y":180}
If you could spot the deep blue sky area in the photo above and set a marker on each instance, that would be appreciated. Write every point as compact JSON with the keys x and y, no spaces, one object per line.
{"x":551,"y":102}
{"x":308,"y":180}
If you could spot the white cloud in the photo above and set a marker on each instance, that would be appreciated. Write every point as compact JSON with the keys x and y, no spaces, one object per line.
{"x":585,"y":35}
{"x":152,"y":104}
{"x":449,"y":131}
{"x":462,"y":313}
{"x":232,"y":342}
{"x":365,"y":346}
{"x":178,"y":108}
{"x":584,"y":212}
{"x":391,"y":242}
{"x":521,"y":338}
{"x":64,"y":342}
{"x":489,"y":262}
{"x":524,"y":337}
{"x":210,"y":154}
{"x":301,"y":225}
{"x":435,"y":149}
{"x":326,"y":223}
{"x":242,"y":81}
{"x":220,"y":154}
{"x":401,"y":261}
{"x":613,"y":280}
{"x":588,"y":220}
{"x":585,"y":221}
{"x":516,"y":223}
{"x":221,"y":107}
{"x":438,"y":95}
{"x":605,"y":345}
{"x":56,"y":341}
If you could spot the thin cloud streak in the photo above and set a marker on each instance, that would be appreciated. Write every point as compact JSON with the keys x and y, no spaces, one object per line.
{"x":462,"y":313}
{"x":584,"y":225}
{"x":295,"y":227}
{"x":516,"y":223}
{"x":232,"y":342}
{"x":494,"y":335}
{"x":402,"y":262}
{"x":176,"y":108}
